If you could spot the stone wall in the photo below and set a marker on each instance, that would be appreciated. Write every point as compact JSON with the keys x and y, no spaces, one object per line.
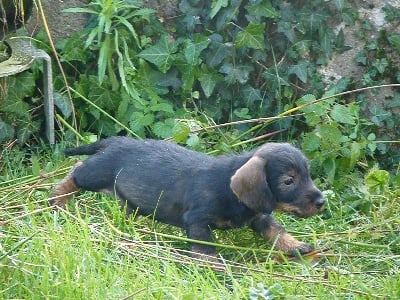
{"x":61,"y":24}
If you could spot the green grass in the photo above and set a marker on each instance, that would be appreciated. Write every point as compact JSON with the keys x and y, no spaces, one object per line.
{"x":91,"y":251}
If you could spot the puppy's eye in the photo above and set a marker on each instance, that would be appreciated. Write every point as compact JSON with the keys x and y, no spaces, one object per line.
{"x":289,"y":181}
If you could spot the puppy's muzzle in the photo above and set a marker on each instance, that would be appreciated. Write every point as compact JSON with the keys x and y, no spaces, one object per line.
{"x":319,"y":202}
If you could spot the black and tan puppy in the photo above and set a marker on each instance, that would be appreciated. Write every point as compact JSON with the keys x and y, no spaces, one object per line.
{"x":199,"y":192}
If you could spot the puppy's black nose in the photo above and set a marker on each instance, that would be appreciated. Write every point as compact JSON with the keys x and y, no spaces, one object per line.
{"x":319,"y":202}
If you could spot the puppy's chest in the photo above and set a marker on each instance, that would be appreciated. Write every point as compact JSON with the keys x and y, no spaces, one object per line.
{"x":233,"y":220}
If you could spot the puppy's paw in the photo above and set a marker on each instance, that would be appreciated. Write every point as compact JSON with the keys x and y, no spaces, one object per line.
{"x":211,"y":261}
{"x":292,"y":246}
{"x":59,"y":202}
{"x":301,"y":248}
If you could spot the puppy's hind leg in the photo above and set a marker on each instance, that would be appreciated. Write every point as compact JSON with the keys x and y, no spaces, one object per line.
{"x":64,"y":190}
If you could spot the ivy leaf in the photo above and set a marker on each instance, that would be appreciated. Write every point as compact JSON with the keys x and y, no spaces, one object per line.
{"x":188,"y":75}
{"x":349,"y":16}
{"x":340,"y":4}
{"x":340,"y":42}
{"x":326,"y":43}
{"x":26,"y":131}
{"x":192,"y":50}
{"x":20,"y":86}
{"x":63,"y":103}
{"x":208,"y":82}
{"x":300,"y":70}
{"x":190,"y":19}
{"x":250,"y":94}
{"x":216,"y":6}
{"x":392,"y":13}
{"x":158,"y":80}
{"x":313,"y":19}
{"x":259,"y":10}
{"x":380,"y":64}
{"x":303,"y":47}
{"x":161,"y":54}
{"x":73,"y":49}
{"x":218,"y":52}
{"x":15,"y":105}
{"x":106,"y":126}
{"x":251,"y":37}
{"x":378,"y":114}
{"x":274,"y":80}
{"x":342,"y":114}
{"x":226,"y":15}
{"x":287,"y":29}
{"x":237,"y":73}
{"x":6,"y":131}
{"x":242,"y":113}
{"x":394,"y":39}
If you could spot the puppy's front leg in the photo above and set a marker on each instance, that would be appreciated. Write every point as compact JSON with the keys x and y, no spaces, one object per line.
{"x":201,"y":233}
{"x":276,"y":234}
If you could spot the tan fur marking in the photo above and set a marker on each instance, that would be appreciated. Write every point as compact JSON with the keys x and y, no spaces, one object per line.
{"x":64,"y":190}
{"x":307,"y":211}
{"x":284,"y":241}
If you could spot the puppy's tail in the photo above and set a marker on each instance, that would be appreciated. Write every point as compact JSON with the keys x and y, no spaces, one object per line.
{"x":87,"y":149}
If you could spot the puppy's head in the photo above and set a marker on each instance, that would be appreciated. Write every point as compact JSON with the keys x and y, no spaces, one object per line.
{"x":277,"y":176}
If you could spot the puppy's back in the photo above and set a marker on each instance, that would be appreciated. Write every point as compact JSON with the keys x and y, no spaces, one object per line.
{"x":87,"y":149}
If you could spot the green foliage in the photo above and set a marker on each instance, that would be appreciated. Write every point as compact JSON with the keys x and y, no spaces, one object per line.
{"x":114,"y":36}
{"x":218,"y":61}
{"x":339,"y":141}
{"x":377,"y":180}
{"x":162,"y":53}
{"x":16,"y":112}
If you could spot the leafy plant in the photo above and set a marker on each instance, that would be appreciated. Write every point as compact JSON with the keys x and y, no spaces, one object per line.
{"x":339,"y":139}
{"x":17,"y":115}
{"x":113,"y":35}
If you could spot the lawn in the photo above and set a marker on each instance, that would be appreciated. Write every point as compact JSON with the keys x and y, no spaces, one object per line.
{"x":91,"y":251}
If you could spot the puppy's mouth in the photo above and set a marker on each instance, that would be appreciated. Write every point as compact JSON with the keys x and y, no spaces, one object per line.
{"x":301,"y":212}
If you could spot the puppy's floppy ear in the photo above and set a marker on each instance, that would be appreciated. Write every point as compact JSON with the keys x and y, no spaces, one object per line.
{"x":249,"y":184}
